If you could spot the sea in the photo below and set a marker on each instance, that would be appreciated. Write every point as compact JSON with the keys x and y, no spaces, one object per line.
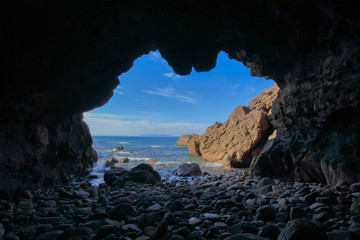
{"x":141,"y":150}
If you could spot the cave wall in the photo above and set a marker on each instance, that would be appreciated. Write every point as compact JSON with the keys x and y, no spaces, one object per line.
{"x":44,"y":154}
{"x":63,"y":58}
{"x":316,"y":119}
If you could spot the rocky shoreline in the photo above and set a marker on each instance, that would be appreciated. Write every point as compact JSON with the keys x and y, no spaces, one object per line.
{"x":228,"y":205}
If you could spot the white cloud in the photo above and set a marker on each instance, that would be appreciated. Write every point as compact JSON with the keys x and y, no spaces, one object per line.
{"x":165,"y":92}
{"x":109,"y":124}
{"x":252,"y":89}
{"x":154,"y":55}
{"x":169,"y":74}
{"x":170,"y":93}
{"x":172,"y":75}
{"x":145,"y":115}
{"x":235,"y":86}
{"x":183,"y":98}
{"x":117,"y":91}
{"x":177,"y":77}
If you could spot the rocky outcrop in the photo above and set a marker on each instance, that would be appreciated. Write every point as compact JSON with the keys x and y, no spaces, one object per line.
{"x":44,"y":154}
{"x":142,"y":173}
{"x":238,"y":140}
{"x":69,"y":63}
{"x":183,"y":141}
{"x":265,"y":100}
{"x":316,"y":124}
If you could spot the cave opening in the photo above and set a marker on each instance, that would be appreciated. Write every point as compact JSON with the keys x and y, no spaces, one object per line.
{"x":153,"y":106}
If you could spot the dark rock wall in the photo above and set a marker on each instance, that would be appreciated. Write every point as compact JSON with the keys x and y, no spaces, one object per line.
{"x":34,"y":154}
{"x":61,"y":58}
{"x":317,"y":114}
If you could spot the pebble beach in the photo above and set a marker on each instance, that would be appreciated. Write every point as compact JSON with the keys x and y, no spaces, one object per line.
{"x":220,"y":205}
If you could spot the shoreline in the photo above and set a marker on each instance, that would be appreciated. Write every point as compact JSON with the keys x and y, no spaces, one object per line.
{"x":226,"y":205}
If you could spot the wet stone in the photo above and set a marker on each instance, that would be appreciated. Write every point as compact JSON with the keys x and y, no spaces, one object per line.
{"x":194,"y":221}
{"x":183,"y":231}
{"x":155,"y":207}
{"x":355,"y":187}
{"x":207,"y":195}
{"x":176,"y":237}
{"x":211,"y":216}
{"x":265,"y":182}
{"x":220,"y":225}
{"x":265,"y":213}
{"x":321,"y":217}
{"x":81,"y":194}
{"x":316,"y":205}
{"x":176,"y":205}
{"x":269,"y":231}
{"x":122,"y":210}
{"x":297,"y":212}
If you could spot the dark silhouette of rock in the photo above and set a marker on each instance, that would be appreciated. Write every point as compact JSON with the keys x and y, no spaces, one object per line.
{"x":113,"y":174}
{"x":142,"y":173}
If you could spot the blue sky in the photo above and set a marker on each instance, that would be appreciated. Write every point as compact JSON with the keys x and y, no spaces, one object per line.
{"x":152,"y":99}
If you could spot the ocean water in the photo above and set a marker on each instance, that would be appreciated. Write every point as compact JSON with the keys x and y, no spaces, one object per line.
{"x":142,"y":149}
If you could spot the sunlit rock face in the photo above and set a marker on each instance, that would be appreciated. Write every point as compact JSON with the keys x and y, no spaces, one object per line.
{"x":62,"y":59}
{"x":241,"y":138}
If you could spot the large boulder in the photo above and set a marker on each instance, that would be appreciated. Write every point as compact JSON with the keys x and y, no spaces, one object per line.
{"x":183,"y":141}
{"x":142,"y":173}
{"x":238,"y":140}
{"x":302,"y":229}
{"x":114,"y":174}
{"x":188,"y":169}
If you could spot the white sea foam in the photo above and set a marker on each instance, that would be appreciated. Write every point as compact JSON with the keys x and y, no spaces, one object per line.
{"x":212,"y":165}
{"x":155,"y":146}
{"x":121,"y":142}
{"x":120,"y":153}
{"x":139,"y":158}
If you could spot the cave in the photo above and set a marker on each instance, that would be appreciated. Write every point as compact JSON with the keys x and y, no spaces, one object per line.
{"x":63,"y":58}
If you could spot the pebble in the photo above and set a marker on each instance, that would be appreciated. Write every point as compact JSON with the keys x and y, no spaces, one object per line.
{"x":355,"y":187}
{"x":194,"y":221}
{"x":155,"y":207}
{"x":221,"y":225}
{"x":211,"y":215}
